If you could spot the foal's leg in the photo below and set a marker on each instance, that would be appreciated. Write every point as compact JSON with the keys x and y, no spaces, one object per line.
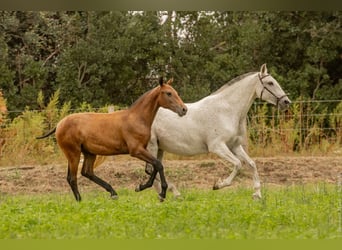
{"x":223,"y":151}
{"x":73,"y":160}
{"x":72,"y":152}
{"x":242,"y":155}
{"x":152,"y":147}
{"x":156,"y":184}
{"x":146,"y":156}
{"x":88,"y":171}
{"x":72,"y":180}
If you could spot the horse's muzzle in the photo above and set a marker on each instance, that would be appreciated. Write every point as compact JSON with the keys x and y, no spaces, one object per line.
{"x":284,"y":103}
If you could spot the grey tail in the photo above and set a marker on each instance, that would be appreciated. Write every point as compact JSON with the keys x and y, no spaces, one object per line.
{"x":47,"y":134}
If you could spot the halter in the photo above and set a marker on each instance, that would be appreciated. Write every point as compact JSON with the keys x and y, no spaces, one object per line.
{"x":264,"y":87}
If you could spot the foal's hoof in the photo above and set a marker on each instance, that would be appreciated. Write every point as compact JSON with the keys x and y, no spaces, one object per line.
{"x":114,"y":197}
{"x":137,"y":188}
{"x":161,"y":199}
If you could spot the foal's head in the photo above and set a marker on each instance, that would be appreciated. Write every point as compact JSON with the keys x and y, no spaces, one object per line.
{"x":169,"y":98}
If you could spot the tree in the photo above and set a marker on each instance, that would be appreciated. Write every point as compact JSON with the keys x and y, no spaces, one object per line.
{"x":113,"y":63}
{"x":307,"y":49}
{"x":113,"y":57}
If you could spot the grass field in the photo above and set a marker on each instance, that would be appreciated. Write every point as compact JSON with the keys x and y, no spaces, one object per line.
{"x":292,"y":212}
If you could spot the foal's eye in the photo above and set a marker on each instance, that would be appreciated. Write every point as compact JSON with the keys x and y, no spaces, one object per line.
{"x":168,"y":94}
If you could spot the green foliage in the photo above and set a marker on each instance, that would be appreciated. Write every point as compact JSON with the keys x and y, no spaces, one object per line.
{"x":51,"y":113}
{"x":294,"y":212}
{"x":114,"y":57}
{"x":85,"y":60}
{"x":308,"y":127}
{"x":107,"y":67}
{"x":336,"y":122}
{"x":303,"y":130}
{"x":21,"y":145}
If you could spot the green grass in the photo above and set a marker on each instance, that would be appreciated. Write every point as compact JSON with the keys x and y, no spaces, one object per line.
{"x":295,"y":212}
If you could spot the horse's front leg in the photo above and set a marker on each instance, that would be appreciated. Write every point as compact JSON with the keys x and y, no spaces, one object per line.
{"x":242,"y":155}
{"x":144,"y":155}
{"x":223,"y":151}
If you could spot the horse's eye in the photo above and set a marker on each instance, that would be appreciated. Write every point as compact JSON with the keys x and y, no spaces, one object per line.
{"x":169,"y":94}
{"x":270,"y":83}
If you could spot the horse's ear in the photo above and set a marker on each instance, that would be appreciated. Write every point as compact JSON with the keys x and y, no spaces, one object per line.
{"x":263,"y":70}
{"x":170,"y":81}
{"x":161,"y":81}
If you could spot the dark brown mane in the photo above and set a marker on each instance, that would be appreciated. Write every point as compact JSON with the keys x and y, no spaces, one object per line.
{"x":141,"y":98}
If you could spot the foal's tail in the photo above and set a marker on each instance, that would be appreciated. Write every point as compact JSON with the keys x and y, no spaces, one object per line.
{"x":47,"y":134}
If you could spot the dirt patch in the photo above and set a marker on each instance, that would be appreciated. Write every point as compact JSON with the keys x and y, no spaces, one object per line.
{"x":183,"y":173}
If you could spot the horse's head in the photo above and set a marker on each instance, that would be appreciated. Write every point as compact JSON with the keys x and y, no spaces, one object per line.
{"x":269,"y":90}
{"x":169,"y":98}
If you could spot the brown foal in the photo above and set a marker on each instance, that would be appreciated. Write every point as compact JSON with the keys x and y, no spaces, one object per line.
{"x":121,"y":132}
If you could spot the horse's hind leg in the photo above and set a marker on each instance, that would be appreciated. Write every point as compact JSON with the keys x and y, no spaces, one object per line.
{"x":88,"y":171}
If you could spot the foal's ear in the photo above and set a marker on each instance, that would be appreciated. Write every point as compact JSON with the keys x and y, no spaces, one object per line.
{"x":263,"y":70}
{"x":170,"y":81}
{"x":161,"y":81}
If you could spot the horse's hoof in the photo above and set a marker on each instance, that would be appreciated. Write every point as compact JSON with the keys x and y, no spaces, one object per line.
{"x":114,"y":197}
{"x":137,"y":188}
{"x":256,"y":196}
{"x":177,"y":196}
{"x":217,"y":185}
